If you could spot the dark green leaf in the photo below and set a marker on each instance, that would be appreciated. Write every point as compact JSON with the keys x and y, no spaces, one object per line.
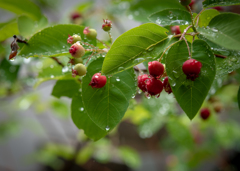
{"x":52,"y":41}
{"x":66,"y":88}
{"x":106,"y":106}
{"x":190,"y":94}
{"x":239,"y":98}
{"x":25,"y":7}
{"x":206,"y":16}
{"x":134,"y":47}
{"x":27,"y":26}
{"x":140,"y":9}
{"x":227,"y":60}
{"x":224,"y":30}
{"x":215,"y":3}
{"x":8,"y":30}
{"x":171,"y":17}
{"x":83,"y":121}
{"x":8,"y":71}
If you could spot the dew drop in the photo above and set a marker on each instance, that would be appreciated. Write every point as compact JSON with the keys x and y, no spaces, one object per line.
{"x":107,"y":128}
{"x":81,"y":109}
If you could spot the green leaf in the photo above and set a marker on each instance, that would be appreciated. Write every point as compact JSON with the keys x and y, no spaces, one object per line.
{"x":67,"y":88}
{"x":52,"y":41}
{"x":130,"y":157}
{"x":8,"y":30}
{"x":60,"y":108}
{"x":225,"y":65}
{"x":110,"y":102}
{"x":224,"y":30}
{"x":206,"y":16}
{"x":239,"y":98}
{"x":190,"y":94}
{"x":27,"y":26}
{"x":25,"y":7}
{"x":171,"y":17}
{"x":140,"y":10}
{"x":8,"y":71}
{"x":83,"y":121}
{"x":215,"y":3}
{"x":134,"y":47}
{"x":180,"y":133}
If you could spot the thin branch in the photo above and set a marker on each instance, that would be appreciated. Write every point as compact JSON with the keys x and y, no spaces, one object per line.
{"x":56,"y":59}
{"x":89,"y":58}
{"x":166,"y":50}
{"x":87,"y":44}
{"x":197,"y":17}
{"x":220,"y":56}
{"x":189,"y":52}
{"x":190,"y":11}
{"x":138,"y":69}
{"x":103,"y":43}
{"x":185,"y":31}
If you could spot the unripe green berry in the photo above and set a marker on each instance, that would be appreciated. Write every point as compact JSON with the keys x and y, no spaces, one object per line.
{"x":90,"y":33}
{"x":73,"y":39}
{"x":185,"y":2}
{"x":81,"y":69}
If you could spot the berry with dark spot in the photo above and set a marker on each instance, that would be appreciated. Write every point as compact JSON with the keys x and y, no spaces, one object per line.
{"x":175,"y":30}
{"x":107,"y":25}
{"x":167,"y":86}
{"x":77,"y":50}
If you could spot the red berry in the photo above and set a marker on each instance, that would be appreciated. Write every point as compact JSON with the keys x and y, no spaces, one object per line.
{"x":205,"y":113}
{"x":98,"y":81}
{"x":77,"y":50}
{"x":107,"y":25}
{"x":154,"y":86}
{"x":75,"y":15}
{"x":167,"y":86}
{"x":142,"y":82}
{"x":155,"y":68}
{"x":191,"y":4}
{"x":175,"y":30}
{"x":192,"y":68}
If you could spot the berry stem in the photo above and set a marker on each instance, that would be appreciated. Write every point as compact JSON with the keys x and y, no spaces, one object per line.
{"x":56,"y":59}
{"x":189,"y":52}
{"x":190,"y":11}
{"x":220,"y":56}
{"x":166,"y":50}
{"x":89,"y":57}
{"x":87,"y":44}
{"x":110,"y":36}
{"x":103,"y":43}
{"x":140,"y":71}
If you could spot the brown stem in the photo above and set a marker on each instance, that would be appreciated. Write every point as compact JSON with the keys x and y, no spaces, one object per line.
{"x":189,"y":52}
{"x":89,"y":58}
{"x":166,"y":50}
{"x":220,"y":56}
{"x":88,"y":44}
{"x":190,"y":11}
{"x":197,"y":17}
{"x":56,"y":59}
{"x":138,"y":69}
{"x":103,"y":43}
{"x":185,"y":31}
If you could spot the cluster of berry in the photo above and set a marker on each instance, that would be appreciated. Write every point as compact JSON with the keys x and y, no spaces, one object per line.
{"x":151,"y":84}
